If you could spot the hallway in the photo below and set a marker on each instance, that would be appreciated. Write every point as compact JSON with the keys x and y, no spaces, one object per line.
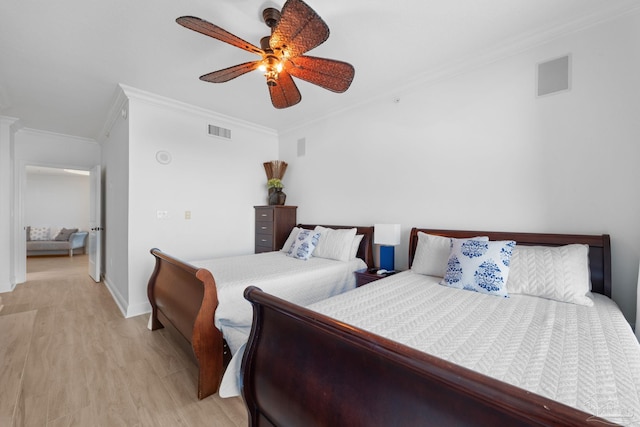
{"x":87,"y":365}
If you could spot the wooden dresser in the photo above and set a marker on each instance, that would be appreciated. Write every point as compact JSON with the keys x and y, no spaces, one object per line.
{"x":273,"y":225}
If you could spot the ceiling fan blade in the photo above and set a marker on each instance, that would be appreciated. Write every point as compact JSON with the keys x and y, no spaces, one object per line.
{"x":299,"y":29}
{"x":330,"y":74}
{"x":212,"y":30}
{"x":230,"y":73}
{"x":285,"y":93}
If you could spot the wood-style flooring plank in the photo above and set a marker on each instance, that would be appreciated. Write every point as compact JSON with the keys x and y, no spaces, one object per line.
{"x":86,"y":365}
{"x":15,"y":338}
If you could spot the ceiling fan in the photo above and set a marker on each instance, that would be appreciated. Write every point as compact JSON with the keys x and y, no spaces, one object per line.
{"x":294,"y":31}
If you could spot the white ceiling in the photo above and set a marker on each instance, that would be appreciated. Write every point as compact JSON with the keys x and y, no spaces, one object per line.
{"x":60,"y":62}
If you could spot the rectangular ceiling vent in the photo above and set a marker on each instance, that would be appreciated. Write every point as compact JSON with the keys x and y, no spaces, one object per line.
{"x":219,"y":132}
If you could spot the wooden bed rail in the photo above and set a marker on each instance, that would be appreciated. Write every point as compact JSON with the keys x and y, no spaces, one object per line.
{"x":302,"y":368}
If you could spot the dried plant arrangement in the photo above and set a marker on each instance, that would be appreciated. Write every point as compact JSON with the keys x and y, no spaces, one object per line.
{"x":275,"y":169}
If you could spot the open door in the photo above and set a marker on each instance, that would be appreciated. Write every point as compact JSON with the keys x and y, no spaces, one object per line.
{"x":95,"y":226}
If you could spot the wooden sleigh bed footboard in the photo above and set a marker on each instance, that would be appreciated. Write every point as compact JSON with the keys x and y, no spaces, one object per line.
{"x":184,"y":298}
{"x":302,"y":368}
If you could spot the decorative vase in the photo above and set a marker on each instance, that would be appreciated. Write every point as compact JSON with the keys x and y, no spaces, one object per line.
{"x":277,"y":196}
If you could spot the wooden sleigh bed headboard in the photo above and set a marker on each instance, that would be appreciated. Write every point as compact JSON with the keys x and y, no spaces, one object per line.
{"x":599,"y":249}
{"x":302,"y":368}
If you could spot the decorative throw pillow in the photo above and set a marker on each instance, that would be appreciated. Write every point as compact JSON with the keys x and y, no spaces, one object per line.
{"x":480,"y":266}
{"x":334,"y":244}
{"x":432,"y":253}
{"x":559,"y":273}
{"x":28,"y":233}
{"x":355,"y":246}
{"x":39,"y":233}
{"x":303,"y":246}
{"x":290,"y":239}
{"x":65,"y":234}
{"x":53,"y":232}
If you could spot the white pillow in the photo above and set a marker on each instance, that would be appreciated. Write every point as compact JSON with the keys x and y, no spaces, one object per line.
{"x":334,"y":244}
{"x":290,"y":239}
{"x":432,"y":253}
{"x":39,"y":233}
{"x":479,"y":266}
{"x":304,"y":244}
{"x":53,"y":232}
{"x":559,"y":273}
{"x":355,"y":246}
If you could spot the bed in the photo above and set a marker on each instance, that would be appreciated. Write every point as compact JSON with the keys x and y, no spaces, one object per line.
{"x":337,"y":363}
{"x":201,"y":301}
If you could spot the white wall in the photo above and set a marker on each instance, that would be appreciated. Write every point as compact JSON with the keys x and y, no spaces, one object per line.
{"x":7,"y":232}
{"x":480,"y":151}
{"x":218,"y":181}
{"x":115,"y":206}
{"x":34,"y":147}
{"x":55,"y":200}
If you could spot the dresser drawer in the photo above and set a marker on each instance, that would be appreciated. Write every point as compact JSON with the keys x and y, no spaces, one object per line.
{"x":261,"y":249}
{"x":272,"y":226}
{"x":263,"y":227}
{"x":264,"y":240}
{"x":264,"y":214}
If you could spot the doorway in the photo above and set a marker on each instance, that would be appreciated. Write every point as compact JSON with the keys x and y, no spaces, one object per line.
{"x":53,"y":198}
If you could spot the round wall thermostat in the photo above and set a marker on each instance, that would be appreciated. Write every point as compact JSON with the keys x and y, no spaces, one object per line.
{"x":163,"y":157}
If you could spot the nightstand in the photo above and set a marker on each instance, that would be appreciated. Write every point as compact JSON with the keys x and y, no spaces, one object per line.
{"x":367,"y":276}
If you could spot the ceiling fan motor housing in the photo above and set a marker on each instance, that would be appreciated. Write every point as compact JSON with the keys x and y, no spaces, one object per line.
{"x":271,"y":17}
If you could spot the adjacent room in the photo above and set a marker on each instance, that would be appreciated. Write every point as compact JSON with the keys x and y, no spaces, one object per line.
{"x":245,"y":137}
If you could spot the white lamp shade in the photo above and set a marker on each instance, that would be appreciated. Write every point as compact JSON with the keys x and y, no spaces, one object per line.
{"x":386,"y":234}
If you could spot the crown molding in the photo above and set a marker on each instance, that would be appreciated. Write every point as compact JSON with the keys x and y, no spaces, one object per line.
{"x":118,"y":103}
{"x":507,"y":49}
{"x":57,"y":135}
{"x":162,"y":101}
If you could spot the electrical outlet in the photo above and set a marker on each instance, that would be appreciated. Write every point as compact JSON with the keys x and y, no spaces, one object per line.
{"x":187,"y":214}
{"x":162,"y":214}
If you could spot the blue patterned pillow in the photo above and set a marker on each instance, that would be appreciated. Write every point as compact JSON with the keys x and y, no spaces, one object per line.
{"x":305,"y":243}
{"x":479,"y":266}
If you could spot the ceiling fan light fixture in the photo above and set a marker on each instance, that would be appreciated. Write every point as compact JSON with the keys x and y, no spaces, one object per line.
{"x":295,"y":30}
{"x":271,"y":66}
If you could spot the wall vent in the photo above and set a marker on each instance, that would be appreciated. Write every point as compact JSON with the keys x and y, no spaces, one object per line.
{"x":219,"y":132}
{"x":554,"y":76}
{"x":302,"y":147}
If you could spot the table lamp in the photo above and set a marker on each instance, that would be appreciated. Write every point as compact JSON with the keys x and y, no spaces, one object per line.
{"x":388,"y":236}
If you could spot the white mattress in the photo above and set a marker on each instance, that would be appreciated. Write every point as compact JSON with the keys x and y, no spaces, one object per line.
{"x":585,"y":357}
{"x":297,"y":281}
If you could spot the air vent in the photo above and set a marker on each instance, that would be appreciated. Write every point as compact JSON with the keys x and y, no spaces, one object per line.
{"x":554,"y":76}
{"x":219,"y":132}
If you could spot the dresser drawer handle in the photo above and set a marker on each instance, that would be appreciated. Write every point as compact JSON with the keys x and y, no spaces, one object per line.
{"x":263,"y":240}
{"x":264,"y":228}
{"x":263,"y":215}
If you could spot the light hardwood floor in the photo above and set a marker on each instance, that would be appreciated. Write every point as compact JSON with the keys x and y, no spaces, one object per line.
{"x":86,"y":365}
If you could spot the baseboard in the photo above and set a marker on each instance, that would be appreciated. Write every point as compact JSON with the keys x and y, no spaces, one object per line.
{"x":126,"y":309}
{"x":138,"y":309}
{"x":117,"y":297}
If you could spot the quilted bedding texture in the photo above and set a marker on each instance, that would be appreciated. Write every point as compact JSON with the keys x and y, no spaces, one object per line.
{"x":585,"y":357}
{"x":301,"y":282}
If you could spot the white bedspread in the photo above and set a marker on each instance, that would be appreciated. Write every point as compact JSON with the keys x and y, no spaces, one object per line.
{"x":301,"y":282}
{"x":297,"y":281}
{"x":585,"y":357}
